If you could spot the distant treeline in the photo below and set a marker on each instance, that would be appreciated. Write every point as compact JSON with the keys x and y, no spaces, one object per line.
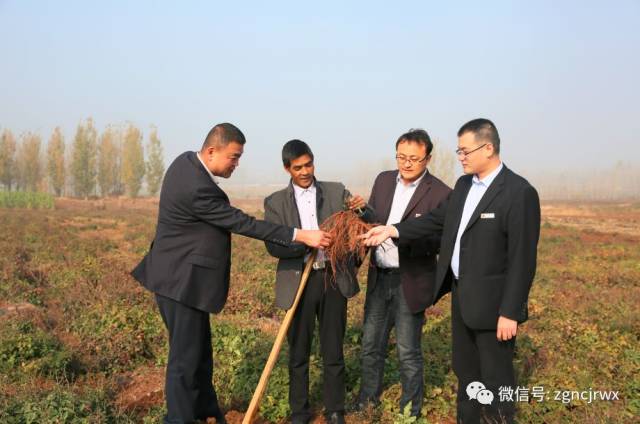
{"x":620,"y":182}
{"x":112,"y":163}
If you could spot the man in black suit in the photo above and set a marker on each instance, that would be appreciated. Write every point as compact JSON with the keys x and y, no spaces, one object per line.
{"x":306,"y":203}
{"x":490,"y":227}
{"x":400,"y":282}
{"x":188,"y":265}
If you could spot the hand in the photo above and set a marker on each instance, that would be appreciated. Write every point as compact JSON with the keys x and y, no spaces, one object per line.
{"x":377,"y":235}
{"x":313,"y":238}
{"x":356,"y":202}
{"x":507,"y":329}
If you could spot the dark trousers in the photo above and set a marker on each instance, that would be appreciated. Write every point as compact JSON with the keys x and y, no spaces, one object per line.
{"x":330,"y":308}
{"x":478,"y":356}
{"x":386,"y":307}
{"x":188,"y":386}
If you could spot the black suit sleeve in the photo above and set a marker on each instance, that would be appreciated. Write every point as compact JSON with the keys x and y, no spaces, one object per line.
{"x":430,"y":224}
{"x":294,"y":250}
{"x":428,"y":245}
{"x":211,"y":206}
{"x":523,"y":234}
{"x":425,"y":246}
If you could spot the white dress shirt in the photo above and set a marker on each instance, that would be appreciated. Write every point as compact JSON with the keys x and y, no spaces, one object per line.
{"x":387,"y":252}
{"x":213,"y":178}
{"x":307,"y":208}
{"x":477,"y":190}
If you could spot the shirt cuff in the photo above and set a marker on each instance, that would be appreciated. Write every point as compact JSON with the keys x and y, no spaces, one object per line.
{"x":295,"y":232}
{"x":397,"y":234}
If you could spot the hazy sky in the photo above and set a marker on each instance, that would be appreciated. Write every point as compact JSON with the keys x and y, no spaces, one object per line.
{"x":560,"y":79}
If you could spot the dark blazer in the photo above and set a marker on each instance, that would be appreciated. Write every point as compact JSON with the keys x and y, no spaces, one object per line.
{"x":189,"y":259}
{"x":281,"y":208}
{"x":417,"y":258}
{"x":497,"y":251}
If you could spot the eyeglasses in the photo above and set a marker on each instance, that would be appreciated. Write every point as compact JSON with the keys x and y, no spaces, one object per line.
{"x":411,"y":160}
{"x":463,"y":154}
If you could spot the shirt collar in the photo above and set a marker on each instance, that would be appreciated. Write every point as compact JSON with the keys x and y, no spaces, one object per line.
{"x":486,"y":181}
{"x":213,"y":178}
{"x":413,"y":183}
{"x":299,"y":191}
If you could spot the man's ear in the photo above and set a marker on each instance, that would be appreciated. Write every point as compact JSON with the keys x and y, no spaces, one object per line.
{"x":210,"y":150}
{"x":491,"y":149}
{"x":428,"y":159}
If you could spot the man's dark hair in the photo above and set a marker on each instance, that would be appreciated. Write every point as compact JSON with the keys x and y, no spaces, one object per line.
{"x":293,"y":149}
{"x":416,"y":135}
{"x":483,"y":130}
{"x":223,"y":134}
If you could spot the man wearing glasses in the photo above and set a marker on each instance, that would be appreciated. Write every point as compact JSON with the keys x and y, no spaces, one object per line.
{"x":490,"y":226}
{"x":400,"y":282}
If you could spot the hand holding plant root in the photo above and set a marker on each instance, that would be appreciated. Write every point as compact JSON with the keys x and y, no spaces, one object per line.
{"x":344,"y":228}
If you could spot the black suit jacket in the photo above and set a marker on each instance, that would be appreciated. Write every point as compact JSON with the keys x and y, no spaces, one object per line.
{"x":189,"y":259}
{"x":281,"y":208}
{"x":497,"y":250}
{"x":417,"y":258}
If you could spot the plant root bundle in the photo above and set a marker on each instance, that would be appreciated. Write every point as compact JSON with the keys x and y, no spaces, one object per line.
{"x":345,"y":227}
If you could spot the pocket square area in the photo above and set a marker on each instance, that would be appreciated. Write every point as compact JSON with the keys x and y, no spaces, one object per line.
{"x":488,"y":215}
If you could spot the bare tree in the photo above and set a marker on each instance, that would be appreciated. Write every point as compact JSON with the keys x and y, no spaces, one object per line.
{"x":83,"y":162}
{"x":155,"y":163}
{"x":55,"y":162}
{"x":133,"y":167}
{"x":7,"y":159}
{"x":109,"y":161}
{"x":29,"y":162}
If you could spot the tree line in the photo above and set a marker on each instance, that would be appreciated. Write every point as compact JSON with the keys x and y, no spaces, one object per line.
{"x":112,"y":163}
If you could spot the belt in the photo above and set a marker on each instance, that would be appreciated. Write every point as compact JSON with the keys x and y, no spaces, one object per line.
{"x":319,"y":265}
{"x":388,"y":270}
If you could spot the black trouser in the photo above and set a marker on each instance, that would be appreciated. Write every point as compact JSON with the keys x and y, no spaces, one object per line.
{"x":330,"y":308}
{"x":188,"y":386}
{"x":478,"y":356}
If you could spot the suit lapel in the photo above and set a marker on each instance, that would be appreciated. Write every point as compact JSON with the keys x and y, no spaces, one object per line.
{"x":388,"y":200}
{"x":421,"y":191}
{"x":459,"y":206}
{"x":319,"y":202}
{"x":489,"y":195}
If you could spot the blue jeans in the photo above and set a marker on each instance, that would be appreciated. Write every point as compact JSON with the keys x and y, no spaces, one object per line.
{"x":386,"y":307}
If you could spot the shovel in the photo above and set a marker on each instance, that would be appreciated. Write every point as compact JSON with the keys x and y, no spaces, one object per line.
{"x":275,"y":350}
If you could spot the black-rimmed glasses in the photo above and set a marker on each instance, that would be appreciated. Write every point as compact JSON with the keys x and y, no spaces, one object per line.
{"x":464,"y":154}
{"x":411,"y":160}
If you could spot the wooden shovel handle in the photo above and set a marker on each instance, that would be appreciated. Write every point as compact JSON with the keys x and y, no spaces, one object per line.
{"x":275,"y":350}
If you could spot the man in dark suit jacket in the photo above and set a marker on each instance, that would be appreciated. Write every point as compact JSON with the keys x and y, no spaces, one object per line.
{"x":188,"y":265}
{"x":306,"y":203}
{"x":401,"y":281}
{"x":490,"y":227}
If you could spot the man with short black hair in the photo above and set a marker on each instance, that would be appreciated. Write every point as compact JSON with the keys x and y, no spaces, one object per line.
{"x":188,"y":264}
{"x":400,"y":281}
{"x":490,"y":226}
{"x":306,"y":203}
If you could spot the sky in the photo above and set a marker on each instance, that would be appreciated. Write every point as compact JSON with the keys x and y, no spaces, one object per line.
{"x":559,"y":79}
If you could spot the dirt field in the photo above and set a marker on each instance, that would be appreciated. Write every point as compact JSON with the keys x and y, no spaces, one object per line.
{"x":80,"y":341}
